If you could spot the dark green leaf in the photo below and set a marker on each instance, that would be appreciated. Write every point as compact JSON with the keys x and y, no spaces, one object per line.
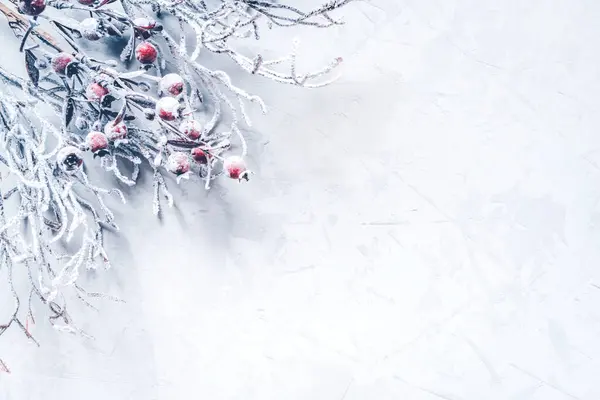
{"x":68,"y":111}
{"x":32,"y":71}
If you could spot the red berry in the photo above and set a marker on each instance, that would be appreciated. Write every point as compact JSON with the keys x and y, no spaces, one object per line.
{"x":199,"y":155}
{"x":178,"y":163}
{"x":95,"y":91}
{"x":191,"y":128}
{"x":115,"y":131}
{"x":167,"y":109}
{"x":171,"y":84}
{"x":60,"y":62}
{"x":32,"y":7}
{"x":235,"y":168}
{"x":96,"y":141}
{"x":146,"y":53}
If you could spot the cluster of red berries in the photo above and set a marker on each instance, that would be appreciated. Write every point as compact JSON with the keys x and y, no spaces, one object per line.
{"x":234,"y":167}
{"x":98,"y":141}
{"x":168,"y":108}
{"x":113,"y":132}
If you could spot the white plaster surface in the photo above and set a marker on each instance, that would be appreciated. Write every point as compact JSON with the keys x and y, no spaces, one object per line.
{"x":427,"y":228}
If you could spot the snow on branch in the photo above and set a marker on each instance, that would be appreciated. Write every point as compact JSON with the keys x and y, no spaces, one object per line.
{"x":150,"y":115}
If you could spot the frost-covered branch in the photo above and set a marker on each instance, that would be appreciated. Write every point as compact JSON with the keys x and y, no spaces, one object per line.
{"x":166,"y":113}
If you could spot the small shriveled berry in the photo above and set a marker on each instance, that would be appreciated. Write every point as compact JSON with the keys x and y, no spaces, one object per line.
{"x":81,"y":123}
{"x":146,"y":53}
{"x":171,"y":84}
{"x":178,"y":163}
{"x":32,"y":7}
{"x":149,"y":114}
{"x":106,"y":78}
{"x":199,"y":155}
{"x":60,"y":62}
{"x":191,"y":128}
{"x":115,"y":131}
{"x":69,"y":159}
{"x":235,"y":168}
{"x":41,"y":63}
{"x":96,"y":141}
{"x":95,"y":91}
{"x":90,"y":29}
{"x":167,"y":109}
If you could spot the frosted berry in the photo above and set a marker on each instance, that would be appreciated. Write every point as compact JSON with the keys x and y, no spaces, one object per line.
{"x":41,"y":63}
{"x":149,"y":114}
{"x":60,"y":62}
{"x":178,"y":163}
{"x":95,"y":91}
{"x":81,"y":123}
{"x":86,"y":2}
{"x":235,"y":168}
{"x":167,"y":109}
{"x":171,"y":84}
{"x":146,"y":53}
{"x":97,"y":141}
{"x":115,"y":131}
{"x":32,"y":7}
{"x":191,"y":128}
{"x":199,"y":155}
{"x":69,"y":159}
{"x":144,"y":23}
{"x":90,"y":29}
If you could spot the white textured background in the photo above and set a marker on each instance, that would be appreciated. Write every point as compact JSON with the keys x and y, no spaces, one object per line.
{"x":427,"y":228}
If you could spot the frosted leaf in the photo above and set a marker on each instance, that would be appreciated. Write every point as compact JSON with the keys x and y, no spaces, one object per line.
{"x":127,"y":53}
{"x":31,"y":67}
{"x":68,"y":111}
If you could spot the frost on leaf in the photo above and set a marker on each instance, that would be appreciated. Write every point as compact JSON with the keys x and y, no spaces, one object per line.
{"x":69,"y":111}
{"x":30,"y":65}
